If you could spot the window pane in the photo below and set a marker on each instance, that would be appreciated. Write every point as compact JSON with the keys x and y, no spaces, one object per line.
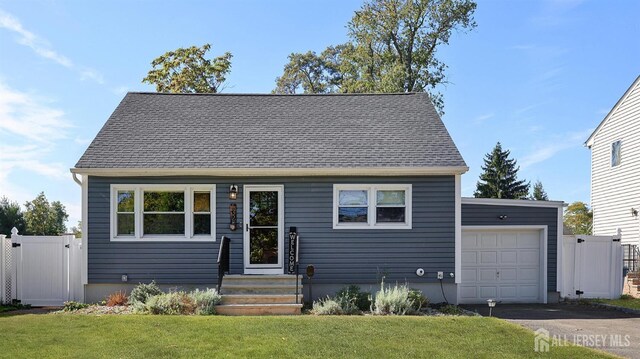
{"x":125,"y":201}
{"x":164,"y":224}
{"x":163,"y":201}
{"x":390,"y":197}
{"x":615,"y":153}
{"x":353,"y":197}
{"x":352,"y":214}
{"x":201,"y":224}
{"x":390,"y":214}
{"x":263,"y":208}
{"x":201,"y":201}
{"x":126,"y":225}
{"x":264,"y":246}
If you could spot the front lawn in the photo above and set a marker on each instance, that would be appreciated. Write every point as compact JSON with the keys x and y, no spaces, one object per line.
{"x":631,"y":303}
{"x":57,"y":335}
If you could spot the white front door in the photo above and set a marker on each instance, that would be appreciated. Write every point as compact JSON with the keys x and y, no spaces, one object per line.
{"x":505,"y":265}
{"x":263,"y":218}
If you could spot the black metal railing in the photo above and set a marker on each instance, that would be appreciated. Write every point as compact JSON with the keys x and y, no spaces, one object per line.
{"x":297,"y":268}
{"x":631,"y":257}
{"x":223,"y":259}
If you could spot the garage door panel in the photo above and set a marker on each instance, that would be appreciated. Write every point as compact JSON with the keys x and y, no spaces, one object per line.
{"x":489,"y":257}
{"x":487,"y":274}
{"x":502,"y":265}
{"x":489,"y":240}
{"x":508,"y":257}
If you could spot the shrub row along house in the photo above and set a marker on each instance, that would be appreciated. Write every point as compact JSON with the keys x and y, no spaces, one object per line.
{"x":369,"y":182}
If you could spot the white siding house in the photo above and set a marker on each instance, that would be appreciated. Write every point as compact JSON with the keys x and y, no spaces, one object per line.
{"x":615,"y":169}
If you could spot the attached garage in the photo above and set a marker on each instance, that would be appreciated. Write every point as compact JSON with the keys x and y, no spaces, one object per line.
{"x":508,"y":251}
{"x":505,"y":264}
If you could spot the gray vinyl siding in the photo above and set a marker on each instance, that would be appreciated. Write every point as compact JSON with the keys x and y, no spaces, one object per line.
{"x":340,"y":256}
{"x":487,"y":215}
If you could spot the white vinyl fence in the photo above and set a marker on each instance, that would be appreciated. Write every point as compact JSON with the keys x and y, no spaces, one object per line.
{"x":592,"y":267}
{"x":40,"y":270}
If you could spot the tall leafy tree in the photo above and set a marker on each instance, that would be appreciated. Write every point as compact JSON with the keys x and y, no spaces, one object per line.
{"x":578,"y":218}
{"x":392,"y":47}
{"x":44,"y":218}
{"x":499,"y":178}
{"x":187,"y":70}
{"x":539,"y":194}
{"x":11,"y":216}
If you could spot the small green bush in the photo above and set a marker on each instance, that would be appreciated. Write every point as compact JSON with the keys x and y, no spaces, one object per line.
{"x":171,"y":303}
{"x":327,"y":306}
{"x":627,"y":297}
{"x":451,"y":309}
{"x":354,"y":296}
{"x":418,"y":299}
{"x":205,"y":301}
{"x":142,"y":292}
{"x":392,"y":301}
{"x":72,"y":306}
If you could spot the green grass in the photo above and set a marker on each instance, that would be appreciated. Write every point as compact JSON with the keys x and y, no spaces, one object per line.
{"x":125,"y":336}
{"x":632,"y":303}
{"x":6,"y":308}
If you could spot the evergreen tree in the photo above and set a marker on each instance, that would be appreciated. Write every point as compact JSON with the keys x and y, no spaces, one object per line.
{"x":539,"y":194}
{"x":500,"y":177}
{"x":11,"y":216}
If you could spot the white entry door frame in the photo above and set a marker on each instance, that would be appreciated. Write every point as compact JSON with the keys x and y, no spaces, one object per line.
{"x":249,"y":227}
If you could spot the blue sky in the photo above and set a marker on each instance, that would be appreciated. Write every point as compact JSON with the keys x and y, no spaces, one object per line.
{"x":537,"y":76}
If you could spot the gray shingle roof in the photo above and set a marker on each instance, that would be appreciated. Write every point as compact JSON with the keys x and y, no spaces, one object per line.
{"x":151,"y":130}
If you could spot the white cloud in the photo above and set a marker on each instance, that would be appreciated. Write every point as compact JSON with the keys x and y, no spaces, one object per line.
{"x":120,"y":90}
{"x":482,"y":118}
{"x":548,"y":150}
{"x":43,"y":49}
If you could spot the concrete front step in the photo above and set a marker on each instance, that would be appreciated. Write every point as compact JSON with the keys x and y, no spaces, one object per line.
{"x":259,"y":289}
{"x":235,"y":279}
{"x":259,"y":309}
{"x":260,"y":299}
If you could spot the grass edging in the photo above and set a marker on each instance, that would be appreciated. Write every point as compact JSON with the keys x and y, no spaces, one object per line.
{"x":614,"y":307}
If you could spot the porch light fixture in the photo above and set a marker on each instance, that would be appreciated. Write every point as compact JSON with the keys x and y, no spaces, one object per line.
{"x":233,"y":192}
{"x":634,"y":212}
{"x":491,"y":303}
{"x":502,"y":217}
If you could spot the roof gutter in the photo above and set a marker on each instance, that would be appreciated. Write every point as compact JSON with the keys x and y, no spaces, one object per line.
{"x":255,"y":172}
{"x":75,"y":178}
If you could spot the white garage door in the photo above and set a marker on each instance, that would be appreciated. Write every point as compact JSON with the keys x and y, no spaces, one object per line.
{"x":504,"y":265}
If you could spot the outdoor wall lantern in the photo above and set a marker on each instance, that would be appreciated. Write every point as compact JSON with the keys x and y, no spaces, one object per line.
{"x":233,"y":192}
{"x":634,"y":212}
{"x":233,"y":215}
{"x":502,"y":217}
{"x":491,"y":303}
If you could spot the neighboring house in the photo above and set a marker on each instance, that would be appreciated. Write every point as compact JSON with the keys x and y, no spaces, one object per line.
{"x":370,"y":182}
{"x":615,"y":169}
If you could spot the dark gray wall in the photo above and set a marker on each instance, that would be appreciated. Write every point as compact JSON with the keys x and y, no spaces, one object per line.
{"x":340,"y":256}
{"x":487,"y":215}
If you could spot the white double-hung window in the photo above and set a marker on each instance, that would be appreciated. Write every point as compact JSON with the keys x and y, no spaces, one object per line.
{"x":371,"y":206}
{"x":163,"y":212}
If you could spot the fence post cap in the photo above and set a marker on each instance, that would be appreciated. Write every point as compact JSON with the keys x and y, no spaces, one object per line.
{"x":14,"y":231}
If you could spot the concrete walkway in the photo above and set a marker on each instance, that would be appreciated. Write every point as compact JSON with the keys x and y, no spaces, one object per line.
{"x":609,"y":330}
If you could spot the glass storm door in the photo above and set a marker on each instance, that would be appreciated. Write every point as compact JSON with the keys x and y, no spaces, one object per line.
{"x":263,"y":229}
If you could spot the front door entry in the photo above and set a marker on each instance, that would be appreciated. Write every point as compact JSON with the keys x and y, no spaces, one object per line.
{"x":263,"y":219}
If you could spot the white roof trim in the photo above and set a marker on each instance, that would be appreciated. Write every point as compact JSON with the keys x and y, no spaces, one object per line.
{"x":253,"y":172}
{"x":589,"y":141}
{"x":512,"y":202}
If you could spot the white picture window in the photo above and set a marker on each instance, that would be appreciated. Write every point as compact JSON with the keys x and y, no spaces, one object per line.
{"x":367,"y":206}
{"x":163,"y":213}
{"x":615,"y":153}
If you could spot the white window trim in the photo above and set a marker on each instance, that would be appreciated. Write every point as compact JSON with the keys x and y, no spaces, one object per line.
{"x":138,"y":213}
{"x":371,"y":206}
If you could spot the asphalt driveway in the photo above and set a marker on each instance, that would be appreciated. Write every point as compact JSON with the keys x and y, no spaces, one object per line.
{"x":609,"y":330}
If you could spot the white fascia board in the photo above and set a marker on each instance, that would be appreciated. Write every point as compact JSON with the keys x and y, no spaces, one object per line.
{"x":512,"y":202}
{"x":254,"y":172}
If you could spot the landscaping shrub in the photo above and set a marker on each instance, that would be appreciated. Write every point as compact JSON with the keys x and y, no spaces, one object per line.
{"x":118,"y":298}
{"x":72,"y":306}
{"x":171,"y":303}
{"x":205,"y":301}
{"x":354,"y":296}
{"x":418,"y":299}
{"x":451,"y":309}
{"x":142,"y":292}
{"x":627,"y":297}
{"x":392,"y":301}
{"x":327,"y":306}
